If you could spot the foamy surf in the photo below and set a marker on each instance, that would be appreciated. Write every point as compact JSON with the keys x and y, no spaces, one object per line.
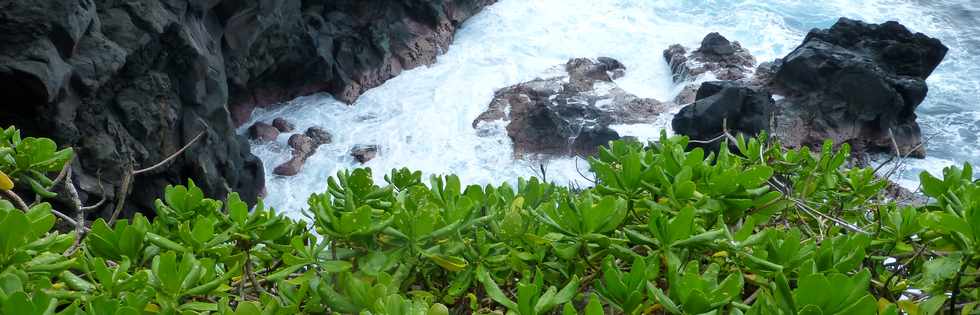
{"x":422,"y":118}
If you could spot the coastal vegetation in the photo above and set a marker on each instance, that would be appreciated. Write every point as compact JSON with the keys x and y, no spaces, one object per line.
{"x":753,"y":228}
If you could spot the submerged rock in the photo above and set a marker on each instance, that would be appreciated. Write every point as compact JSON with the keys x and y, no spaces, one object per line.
{"x":569,"y":113}
{"x":364,"y":153}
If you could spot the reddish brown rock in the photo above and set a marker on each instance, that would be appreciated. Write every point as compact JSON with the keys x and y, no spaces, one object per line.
{"x":303,"y":147}
{"x":283,"y":125}
{"x":319,"y":136}
{"x":263,"y":132}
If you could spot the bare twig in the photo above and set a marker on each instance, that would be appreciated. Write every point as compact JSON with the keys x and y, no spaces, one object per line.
{"x":121,"y":196}
{"x":544,"y":173}
{"x":800,"y":204}
{"x":13,"y":197}
{"x":172,"y":156}
{"x":79,"y":215}
{"x":61,"y":175}
{"x":101,"y":201}
{"x":594,"y":181}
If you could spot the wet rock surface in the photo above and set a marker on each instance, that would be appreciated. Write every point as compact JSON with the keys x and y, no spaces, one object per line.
{"x":363,"y":153}
{"x":283,"y":125}
{"x":263,"y":132}
{"x":855,"y":83}
{"x":128,"y":83}
{"x":724,"y":59}
{"x":303,"y":146}
{"x":570,"y":112}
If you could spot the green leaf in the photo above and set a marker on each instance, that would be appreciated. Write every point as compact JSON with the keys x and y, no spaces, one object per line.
{"x":493,"y":291}
{"x":931,"y":186}
{"x":941,"y":268}
{"x":594,"y":307}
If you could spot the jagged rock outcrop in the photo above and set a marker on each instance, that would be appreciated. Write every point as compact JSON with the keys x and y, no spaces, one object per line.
{"x":127,"y":83}
{"x":570,"y":112}
{"x":855,"y":83}
{"x":717,"y":56}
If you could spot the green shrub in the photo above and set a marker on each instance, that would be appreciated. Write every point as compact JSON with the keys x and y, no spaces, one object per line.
{"x":665,"y":230}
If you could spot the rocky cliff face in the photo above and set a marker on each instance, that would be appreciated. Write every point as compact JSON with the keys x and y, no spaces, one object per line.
{"x":128,"y":83}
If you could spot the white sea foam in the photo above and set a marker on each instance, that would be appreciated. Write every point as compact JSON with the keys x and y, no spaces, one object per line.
{"x":422,"y":119}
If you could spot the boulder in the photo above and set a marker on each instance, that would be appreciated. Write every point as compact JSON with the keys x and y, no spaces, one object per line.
{"x":858,"y":83}
{"x":319,"y":136}
{"x":283,"y":125}
{"x":569,"y":113}
{"x":363,"y":153}
{"x":303,"y":147}
{"x":722,"y":104}
{"x":263,"y":132}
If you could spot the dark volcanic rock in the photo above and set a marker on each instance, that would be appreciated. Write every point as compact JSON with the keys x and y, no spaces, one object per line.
{"x":857,"y":83}
{"x":263,"y":132}
{"x":854,"y":83}
{"x":282,"y":49}
{"x":743,"y":109}
{"x":364,"y":153}
{"x":570,"y":113}
{"x":283,"y":125}
{"x":127,"y":83}
{"x":724,"y":59}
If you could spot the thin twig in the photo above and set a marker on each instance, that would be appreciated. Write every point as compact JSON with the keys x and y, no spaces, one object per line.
{"x":13,"y":197}
{"x":101,"y":201}
{"x":813,"y":212}
{"x":61,"y":175}
{"x":79,"y":215}
{"x":594,"y":181}
{"x":123,"y":193}
{"x":172,"y":156}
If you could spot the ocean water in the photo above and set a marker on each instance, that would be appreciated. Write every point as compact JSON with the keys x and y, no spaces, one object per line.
{"x":422,"y":118}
